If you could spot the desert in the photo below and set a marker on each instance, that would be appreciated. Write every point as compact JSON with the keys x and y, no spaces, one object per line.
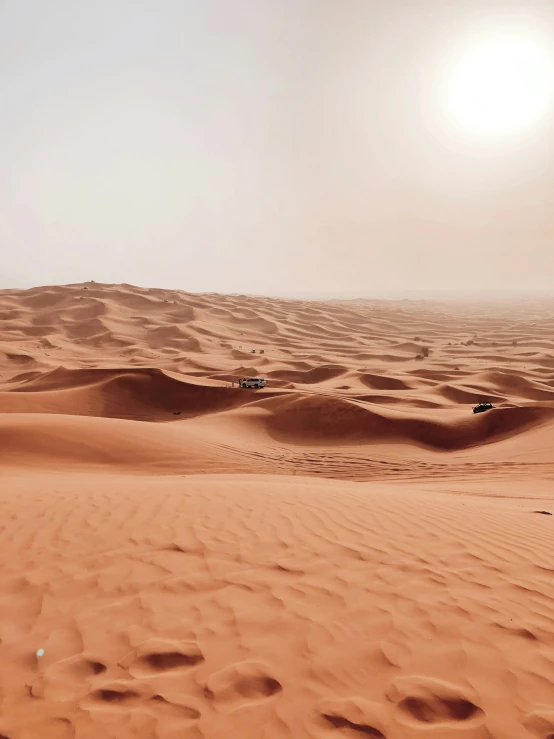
{"x":276,"y":369}
{"x":346,"y":552}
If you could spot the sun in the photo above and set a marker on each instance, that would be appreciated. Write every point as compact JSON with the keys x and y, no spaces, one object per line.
{"x":501,"y":86}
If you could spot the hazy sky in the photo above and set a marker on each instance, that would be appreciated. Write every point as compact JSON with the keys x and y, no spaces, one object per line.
{"x":265,"y":146}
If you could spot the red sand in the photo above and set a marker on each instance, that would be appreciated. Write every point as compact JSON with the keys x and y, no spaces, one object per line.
{"x":350,"y":552}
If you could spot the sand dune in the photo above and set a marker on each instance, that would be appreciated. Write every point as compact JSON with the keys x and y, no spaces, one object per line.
{"x":339,"y":421}
{"x":139,"y":394}
{"x":349,"y":552}
{"x":383,"y":382}
{"x":312,"y":376}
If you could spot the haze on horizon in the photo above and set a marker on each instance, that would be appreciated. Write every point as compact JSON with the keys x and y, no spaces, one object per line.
{"x":276,"y":146}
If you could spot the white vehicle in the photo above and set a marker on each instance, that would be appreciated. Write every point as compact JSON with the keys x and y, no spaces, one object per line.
{"x":254,"y":382}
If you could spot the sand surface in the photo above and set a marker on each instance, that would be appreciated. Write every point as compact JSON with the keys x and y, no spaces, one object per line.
{"x":349,"y":552}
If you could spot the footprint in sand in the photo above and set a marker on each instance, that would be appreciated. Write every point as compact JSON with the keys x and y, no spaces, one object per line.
{"x":67,"y":679}
{"x":356,"y":716}
{"x":156,"y":656}
{"x":423,"y":700}
{"x":116,"y":695}
{"x":130,"y":695}
{"x":240,"y":685}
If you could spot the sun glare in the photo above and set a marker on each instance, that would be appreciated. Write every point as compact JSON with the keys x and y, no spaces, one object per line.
{"x":501,"y":86}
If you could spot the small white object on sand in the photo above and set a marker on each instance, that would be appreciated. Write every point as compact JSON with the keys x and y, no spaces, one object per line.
{"x":40,"y":652}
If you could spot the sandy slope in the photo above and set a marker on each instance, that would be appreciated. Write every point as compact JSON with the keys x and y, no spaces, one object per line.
{"x":349,"y":552}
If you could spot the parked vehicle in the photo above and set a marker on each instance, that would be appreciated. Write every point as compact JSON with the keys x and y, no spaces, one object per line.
{"x":253,"y":382}
{"x":482,"y":407}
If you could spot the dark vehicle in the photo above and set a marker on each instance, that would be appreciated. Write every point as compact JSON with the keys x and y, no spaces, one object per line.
{"x":482,"y":407}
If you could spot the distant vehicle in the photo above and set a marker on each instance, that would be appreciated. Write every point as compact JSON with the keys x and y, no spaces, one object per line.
{"x":255,"y":382}
{"x":482,"y":407}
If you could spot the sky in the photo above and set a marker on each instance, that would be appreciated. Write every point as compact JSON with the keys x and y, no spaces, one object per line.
{"x":266,"y":146}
